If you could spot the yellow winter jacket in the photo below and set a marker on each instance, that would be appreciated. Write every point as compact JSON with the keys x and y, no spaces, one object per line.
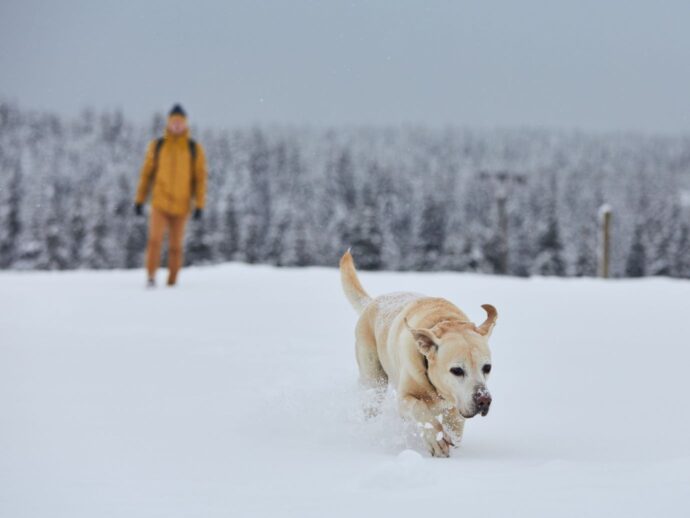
{"x":175,"y":181}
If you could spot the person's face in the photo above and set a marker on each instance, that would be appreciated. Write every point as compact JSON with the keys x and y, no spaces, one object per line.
{"x":177,"y":125}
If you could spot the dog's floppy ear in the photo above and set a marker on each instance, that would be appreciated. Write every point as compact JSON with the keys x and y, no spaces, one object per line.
{"x":488,"y":324}
{"x":427,"y":341}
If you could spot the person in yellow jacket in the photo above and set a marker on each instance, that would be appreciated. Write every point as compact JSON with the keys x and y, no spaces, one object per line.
{"x":174,"y":171}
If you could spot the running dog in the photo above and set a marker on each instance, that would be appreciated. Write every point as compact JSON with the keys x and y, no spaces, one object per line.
{"x":429,"y":351}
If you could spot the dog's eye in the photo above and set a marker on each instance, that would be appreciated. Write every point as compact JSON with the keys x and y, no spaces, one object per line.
{"x":457,"y":371}
{"x":487,"y":368}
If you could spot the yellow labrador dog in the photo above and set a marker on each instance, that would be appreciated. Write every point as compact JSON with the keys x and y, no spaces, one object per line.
{"x":429,"y":351}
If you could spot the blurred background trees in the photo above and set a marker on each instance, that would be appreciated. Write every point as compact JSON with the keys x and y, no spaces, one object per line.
{"x":521,"y":202}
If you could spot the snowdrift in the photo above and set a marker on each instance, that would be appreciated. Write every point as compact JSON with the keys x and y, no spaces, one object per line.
{"x":118,"y":401}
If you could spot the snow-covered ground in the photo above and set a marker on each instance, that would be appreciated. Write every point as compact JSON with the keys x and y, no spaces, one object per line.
{"x":235,"y":394}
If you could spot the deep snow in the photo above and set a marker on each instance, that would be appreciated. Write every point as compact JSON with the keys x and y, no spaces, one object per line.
{"x":235,"y":394}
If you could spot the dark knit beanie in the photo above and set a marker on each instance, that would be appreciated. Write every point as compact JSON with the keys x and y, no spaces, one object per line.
{"x":177,"y":110}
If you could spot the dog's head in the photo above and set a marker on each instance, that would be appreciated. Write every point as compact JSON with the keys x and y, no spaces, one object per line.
{"x":459,"y":361}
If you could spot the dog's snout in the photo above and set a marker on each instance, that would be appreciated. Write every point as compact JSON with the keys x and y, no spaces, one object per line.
{"x":482,"y":400}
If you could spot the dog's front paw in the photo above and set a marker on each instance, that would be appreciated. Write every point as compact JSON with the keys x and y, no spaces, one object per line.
{"x":437,"y":441}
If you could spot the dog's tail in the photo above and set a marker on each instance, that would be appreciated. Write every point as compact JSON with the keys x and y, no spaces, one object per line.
{"x":354,"y":292}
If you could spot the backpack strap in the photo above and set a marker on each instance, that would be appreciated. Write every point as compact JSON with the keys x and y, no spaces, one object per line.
{"x":192,"y":151}
{"x":192,"y":167}
{"x":159,"y":144}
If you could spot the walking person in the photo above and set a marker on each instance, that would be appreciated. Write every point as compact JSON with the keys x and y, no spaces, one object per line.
{"x":174,"y":172}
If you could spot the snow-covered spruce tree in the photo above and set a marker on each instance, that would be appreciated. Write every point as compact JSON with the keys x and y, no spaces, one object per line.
{"x":111,"y":126}
{"x":10,"y":213}
{"x":229,"y":238}
{"x":98,"y":247}
{"x":549,"y":260}
{"x":297,"y":245}
{"x":135,"y":243}
{"x":455,"y":245}
{"x":199,"y":242}
{"x":84,"y":125}
{"x":579,"y":206}
{"x":682,"y":262}
{"x":335,"y":213}
{"x":585,"y":264}
{"x":56,"y":252}
{"x":431,"y":237}
{"x":288,"y":192}
{"x":520,"y":239}
{"x":344,"y":180}
{"x":257,"y":200}
{"x":661,"y":233}
{"x":548,"y":243}
{"x":76,"y":235}
{"x":367,"y":240}
{"x":636,"y":262}
{"x":128,"y":231}
{"x":393,"y":218}
{"x":479,"y":206}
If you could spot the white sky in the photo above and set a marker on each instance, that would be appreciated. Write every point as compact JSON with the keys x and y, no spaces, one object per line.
{"x":589,"y":64}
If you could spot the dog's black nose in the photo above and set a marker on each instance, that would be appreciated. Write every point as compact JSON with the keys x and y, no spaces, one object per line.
{"x":482,"y":399}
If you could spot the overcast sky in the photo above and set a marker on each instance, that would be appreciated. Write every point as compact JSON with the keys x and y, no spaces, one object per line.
{"x":588,"y":64}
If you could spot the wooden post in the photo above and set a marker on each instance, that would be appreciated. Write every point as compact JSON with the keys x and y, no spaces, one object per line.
{"x":605,"y":240}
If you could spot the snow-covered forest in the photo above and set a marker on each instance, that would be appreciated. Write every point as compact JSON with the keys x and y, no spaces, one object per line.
{"x":404,"y":198}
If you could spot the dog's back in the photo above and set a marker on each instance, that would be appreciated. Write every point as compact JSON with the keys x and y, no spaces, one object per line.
{"x":384,"y":307}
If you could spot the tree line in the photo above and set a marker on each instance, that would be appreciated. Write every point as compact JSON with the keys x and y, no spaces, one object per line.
{"x":520,"y":201}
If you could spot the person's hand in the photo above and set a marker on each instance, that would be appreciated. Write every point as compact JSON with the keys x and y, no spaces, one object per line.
{"x":138,"y":209}
{"x":198,"y":213}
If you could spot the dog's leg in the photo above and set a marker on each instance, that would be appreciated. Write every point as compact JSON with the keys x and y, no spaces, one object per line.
{"x":455,"y":423}
{"x":372,"y":377}
{"x":436,"y":438}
